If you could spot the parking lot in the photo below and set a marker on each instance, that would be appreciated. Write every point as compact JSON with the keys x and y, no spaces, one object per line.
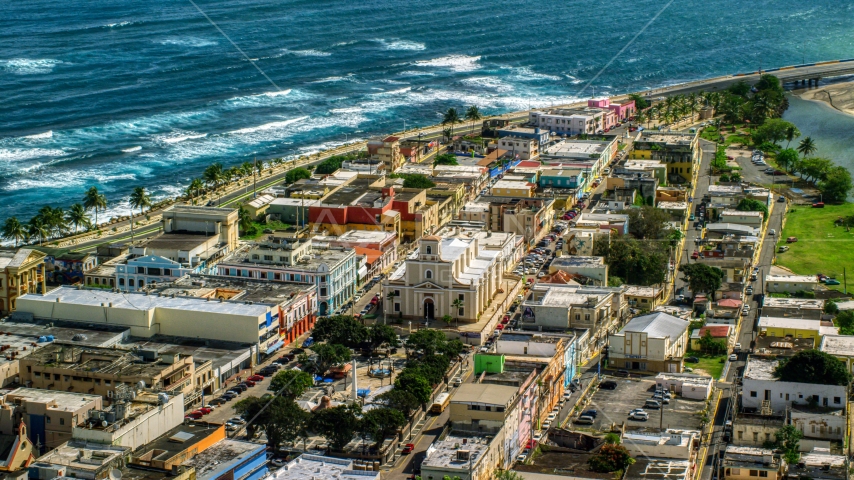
{"x":613,"y":406}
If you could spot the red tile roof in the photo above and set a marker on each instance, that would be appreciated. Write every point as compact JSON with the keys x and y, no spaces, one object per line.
{"x":729,"y":303}
{"x":372,"y":254}
{"x":716,"y":331}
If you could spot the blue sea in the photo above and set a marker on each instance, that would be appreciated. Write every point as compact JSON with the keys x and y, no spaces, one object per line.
{"x":119,"y":94}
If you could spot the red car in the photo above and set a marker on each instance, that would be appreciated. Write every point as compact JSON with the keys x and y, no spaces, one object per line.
{"x":248,"y":383}
{"x":408,"y":448}
{"x":499,"y":327}
{"x":204,"y":410}
{"x":695,"y":255}
{"x":818,"y":205}
{"x":194,"y":415}
{"x":255,"y":378}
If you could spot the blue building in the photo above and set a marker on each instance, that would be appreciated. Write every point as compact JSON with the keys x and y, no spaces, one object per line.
{"x":541,"y":135}
{"x":230,"y":459}
{"x":142,"y":271}
{"x":562,"y":178}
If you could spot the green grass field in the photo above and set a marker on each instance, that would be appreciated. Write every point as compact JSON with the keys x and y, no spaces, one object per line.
{"x":709,"y":364}
{"x":822,"y":247}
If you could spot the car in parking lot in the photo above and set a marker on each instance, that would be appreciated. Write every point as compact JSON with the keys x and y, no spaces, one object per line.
{"x":584,"y":420}
{"x":608,"y":385}
{"x":654,"y":404}
{"x":547,"y":425}
{"x":256,"y":378}
{"x":664,"y":399}
{"x":622,"y":373}
{"x":590,"y":413}
{"x":640,"y":416}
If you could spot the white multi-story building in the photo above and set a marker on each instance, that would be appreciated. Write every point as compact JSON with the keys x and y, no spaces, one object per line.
{"x":142,"y":271}
{"x":760,"y":385}
{"x":654,"y":342}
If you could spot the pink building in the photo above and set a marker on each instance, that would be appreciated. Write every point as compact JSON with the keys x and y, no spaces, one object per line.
{"x":622,"y":111}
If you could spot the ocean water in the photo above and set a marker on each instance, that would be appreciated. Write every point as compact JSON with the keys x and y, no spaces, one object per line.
{"x":119,"y":94}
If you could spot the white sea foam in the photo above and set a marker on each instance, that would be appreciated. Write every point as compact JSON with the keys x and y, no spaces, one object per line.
{"x":194,"y":42}
{"x":346,"y":78}
{"x":40,"y":136}
{"x":342,"y":44}
{"x":397,"y":44}
{"x":305,"y":53}
{"x":132,"y":149}
{"x":177,"y":137}
{"x":490,"y":83}
{"x":118,"y":24}
{"x":18,"y":154}
{"x":416,"y":73}
{"x":391,"y":92}
{"x":525,"y":73}
{"x":457,"y":63}
{"x":268,"y":126}
{"x":572,"y":80}
{"x":29,"y":66}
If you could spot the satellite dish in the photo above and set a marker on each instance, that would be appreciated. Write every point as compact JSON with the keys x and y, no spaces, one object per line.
{"x":115,"y":474}
{"x":104,"y":423}
{"x":140,"y":385}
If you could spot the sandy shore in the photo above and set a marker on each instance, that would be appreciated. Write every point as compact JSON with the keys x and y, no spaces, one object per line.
{"x":839,"y":96}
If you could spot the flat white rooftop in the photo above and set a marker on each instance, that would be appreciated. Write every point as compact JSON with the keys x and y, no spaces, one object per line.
{"x":791,"y":278}
{"x":313,"y":467}
{"x":760,"y":369}
{"x":789,"y":322}
{"x":838,"y":345}
{"x":57,"y":400}
{"x":802,"y":303}
{"x":141,"y":302}
{"x":445,"y":452}
{"x":740,"y":213}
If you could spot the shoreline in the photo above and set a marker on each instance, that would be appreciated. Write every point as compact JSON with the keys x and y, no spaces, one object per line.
{"x":838,"y":96}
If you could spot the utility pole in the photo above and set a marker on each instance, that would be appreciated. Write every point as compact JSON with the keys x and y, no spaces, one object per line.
{"x":254,"y":177}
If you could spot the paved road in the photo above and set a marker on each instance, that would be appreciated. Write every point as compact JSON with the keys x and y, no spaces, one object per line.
{"x":692,"y":234}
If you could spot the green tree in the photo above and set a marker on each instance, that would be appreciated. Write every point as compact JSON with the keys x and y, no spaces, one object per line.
{"x":452,"y":348}
{"x":637,"y":262}
{"x":94,"y":200}
{"x":287,"y":422}
{"x":458,"y":305}
{"x":741,"y":89}
{"x":195,"y":188}
{"x":830,"y":307}
{"x":648,"y":222}
{"x":445,"y":159}
{"x":845,"y":321}
{"x":78,"y":217}
{"x":447,"y":319}
{"x":296,"y":174}
{"x":702,"y":278}
{"x":427,"y":340}
{"x":640,"y":102}
{"x":710,"y":345}
{"x":451,"y":117}
{"x":213,"y":175}
{"x":329,"y":355}
{"x":815,"y":168}
{"x":813,"y":366}
{"x":337,"y":425}
{"x":836,"y":185}
{"x":791,"y":134}
{"x":13,"y":229}
{"x":807,"y":147}
{"x":379,"y":423}
{"x":341,"y":329}
{"x":291,"y":383}
{"x":414,"y":383}
{"x":774,"y":130}
{"x":244,"y":220}
{"x":751,"y":205}
{"x":414,"y":180}
{"x":473,"y":115}
{"x":399,"y":400}
{"x":248,"y":408}
{"x":610,"y":458}
{"x":37,"y":228}
{"x":379,"y":335}
{"x":612,"y":438}
{"x":431,"y":367}
{"x":787,"y":439}
{"x":787,"y":158}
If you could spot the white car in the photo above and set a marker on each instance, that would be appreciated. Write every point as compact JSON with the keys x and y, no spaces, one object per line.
{"x":772,"y":232}
{"x":640,"y":416}
{"x":733,"y":357}
{"x":521,"y":458}
{"x":552,"y":416}
{"x":738,"y":346}
{"x":745,"y":310}
{"x":546,"y":425}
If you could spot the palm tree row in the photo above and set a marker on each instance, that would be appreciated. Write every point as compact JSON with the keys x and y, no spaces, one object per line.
{"x":47,"y":223}
{"x":452,"y":117}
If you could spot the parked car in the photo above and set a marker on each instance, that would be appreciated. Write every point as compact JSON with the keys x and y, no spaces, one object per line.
{"x":584,"y":420}
{"x":654,"y":404}
{"x":695,"y":255}
{"x":608,"y":385}
{"x":552,"y":416}
{"x":622,"y":373}
{"x":256,"y":378}
{"x":733,"y":357}
{"x":692,"y":359}
{"x":408,"y":448}
{"x":591,"y":413}
{"x":832,"y":281}
{"x":248,"y":383}
{"x":640,"y":416}
{"x":772,"y":232}
{"x":193,"y":416}
{"x":818,"y":205}
{"x":791,"y":239}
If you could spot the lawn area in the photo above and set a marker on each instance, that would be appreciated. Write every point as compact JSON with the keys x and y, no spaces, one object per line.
{"x":709,"y":364}
{"x":258,"y":229}
{"x":822,"y":247}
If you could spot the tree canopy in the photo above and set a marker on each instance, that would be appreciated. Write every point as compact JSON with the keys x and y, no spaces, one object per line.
{"x":774,"y":130}
{"x":337,"y":424}
{"x":282,"y":420}
{"x":702,"y":278}
{"x":611,"y":458}
{"x":297,"y":174}
{"x":445,"y":159}
{"x":399,"y":400}
{"x":292,"y":383}
{"x":327,"y":355}
{"x":787,"y":439}
{"x":813,"y":366}
{"x":340,"y":329}
{"x":788,"y":158}
{"x":836,"y":184}
{"x":751,"y":205}
{"x":414,"y":180}
{"x":427,"y":340}
{"x":648,"y":222}
{"x":414,"y":383}
{"x":379,"y":423}
{"x":637,"y":262}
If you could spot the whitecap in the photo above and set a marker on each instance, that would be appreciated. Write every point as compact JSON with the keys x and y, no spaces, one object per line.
{"x":28,"y":66}
{"x":177,"y":137}
{"x":119,"y":24}
{"x":491,"y":83}
{"x":306,"y":53}
{"x":457,"y":63}
{"x":391,"y":92}
{"x":194,"y":42}
{"x":132,"y":149}
{"x":525,"y":73}
{"x":40,"y":136}
{"x":572,"y":80}
{"x":398,"y":44}
{"x":350,"y":77}
{"x":18,"y":154}
{"x":268,"y":126}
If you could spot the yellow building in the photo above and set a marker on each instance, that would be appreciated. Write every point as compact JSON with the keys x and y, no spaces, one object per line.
{"x":644,"y":298}
{"x":511,"y":188}
{"x":780,"y":327}
{"x":679,"y":151}
{"x":21,"y":272}
{"x":751,"y":463}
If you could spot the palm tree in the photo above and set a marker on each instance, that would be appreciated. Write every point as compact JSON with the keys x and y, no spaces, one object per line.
{"x":792,"y":133}
{"x":78,"y":217}
{"x":140,"y":199}
{"x":807,"y":147}
{"x":195,"y":188}
{"x":213,"y":175}
{"x":13,"y":230}
{"x":53,"y":220}
{"x":244,"y":220}
{"x":94,"y":200}
{"x":457,"y":304}
{"x":452,"y":117}
{"x":37,"y":228}
{"x":473,"y":115}
{"x":246,"y":169}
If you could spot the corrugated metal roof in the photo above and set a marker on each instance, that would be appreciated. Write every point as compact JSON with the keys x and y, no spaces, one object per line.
{"x":657,"y":325}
